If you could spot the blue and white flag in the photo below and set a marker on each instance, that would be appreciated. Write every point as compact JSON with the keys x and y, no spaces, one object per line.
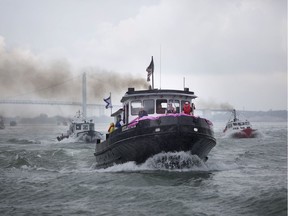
{"x":108,"y":102}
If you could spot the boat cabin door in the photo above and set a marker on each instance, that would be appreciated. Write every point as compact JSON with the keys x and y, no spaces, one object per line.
{"x":126,"y":114}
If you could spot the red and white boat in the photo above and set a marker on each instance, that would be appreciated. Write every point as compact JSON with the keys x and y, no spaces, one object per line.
{"x":238,"y":128}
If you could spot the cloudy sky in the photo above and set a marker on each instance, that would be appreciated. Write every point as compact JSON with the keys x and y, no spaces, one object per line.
{"x":228,"y":51}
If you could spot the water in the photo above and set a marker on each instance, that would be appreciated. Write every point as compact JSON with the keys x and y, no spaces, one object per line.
{"x":40,"y":176}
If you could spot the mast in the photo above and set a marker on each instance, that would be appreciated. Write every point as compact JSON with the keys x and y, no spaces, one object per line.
{"x":234,"y":114}
{"x":153,"y":75}
{"x":84,"y":99}
{"x":160,"y":66}
{"x":111,"y":103}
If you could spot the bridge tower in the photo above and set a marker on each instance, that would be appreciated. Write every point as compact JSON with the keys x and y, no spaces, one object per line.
{"x":84,"y":96}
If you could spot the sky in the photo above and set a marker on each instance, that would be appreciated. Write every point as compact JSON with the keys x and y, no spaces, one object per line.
{"x":229,"y":52}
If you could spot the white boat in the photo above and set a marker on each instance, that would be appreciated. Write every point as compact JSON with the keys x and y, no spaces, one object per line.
{"x":238,"y":128}
{"x":81,"y":129}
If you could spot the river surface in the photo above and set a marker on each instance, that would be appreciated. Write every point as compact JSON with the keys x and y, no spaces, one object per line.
{"x":41,"y":176}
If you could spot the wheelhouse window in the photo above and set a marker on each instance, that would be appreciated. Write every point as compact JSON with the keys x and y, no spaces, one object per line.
{"x":161,"y":106}
{"x":135,"y":107}
{"x":78,"y":126}
{"x":175,"y":104}
{"x":149,"y":106}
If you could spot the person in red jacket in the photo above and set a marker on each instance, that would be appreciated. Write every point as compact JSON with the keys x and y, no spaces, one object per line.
{"x":187,"y":109}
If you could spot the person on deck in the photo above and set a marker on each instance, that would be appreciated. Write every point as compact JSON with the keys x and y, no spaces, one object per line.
{"x":170,"y":108}
{"x":187,"y":108}
{"x":119,"y":122}
{"x":193,"y":108}
{"x":142,"y":113}
{"x":111,"y":128}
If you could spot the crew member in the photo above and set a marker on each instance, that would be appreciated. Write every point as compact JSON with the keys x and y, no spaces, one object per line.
{"x":119,"y":122}
{"x":170,"y":108}
{"x":193,"y":108}
{"x":187,"y":108}
{"x":142,"y":112}
{"x":111,"y":128}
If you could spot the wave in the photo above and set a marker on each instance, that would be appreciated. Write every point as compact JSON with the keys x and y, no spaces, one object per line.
{"x":23,"y":141}
{"x":172,"y":162}
{"x":19,"y":161}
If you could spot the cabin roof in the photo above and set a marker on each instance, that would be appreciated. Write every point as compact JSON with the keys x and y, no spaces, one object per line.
{"x":118,"y":112}
{"x":157,"y":92}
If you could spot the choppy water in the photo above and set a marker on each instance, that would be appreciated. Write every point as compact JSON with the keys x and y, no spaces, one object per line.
{"x":40,"y":176}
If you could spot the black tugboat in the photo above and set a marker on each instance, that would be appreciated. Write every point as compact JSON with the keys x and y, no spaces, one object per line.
{"x":157,"y":129}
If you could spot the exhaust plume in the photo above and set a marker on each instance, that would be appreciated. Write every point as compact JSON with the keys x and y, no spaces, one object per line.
{"x":201,"y":104}
{"x":24,"y":75}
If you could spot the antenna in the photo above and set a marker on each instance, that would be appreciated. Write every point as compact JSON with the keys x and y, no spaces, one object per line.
{"x":160,"y":66}
{"x":111,"y":103}
{"x":183,"y":82}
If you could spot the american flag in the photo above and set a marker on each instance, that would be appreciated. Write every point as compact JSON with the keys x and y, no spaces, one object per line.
{"x":150,"y":69}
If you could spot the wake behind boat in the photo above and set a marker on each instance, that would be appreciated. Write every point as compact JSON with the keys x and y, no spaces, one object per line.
{"x":155,"y":121}
{"x":238,"y":128}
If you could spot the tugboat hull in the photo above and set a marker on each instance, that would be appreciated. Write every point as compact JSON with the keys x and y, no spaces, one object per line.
{"x":150,"y":137}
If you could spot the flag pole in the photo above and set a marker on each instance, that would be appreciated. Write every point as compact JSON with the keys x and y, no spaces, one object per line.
{"x":153,"y":74}
{"x":160,"y":66}
{"x":111,"y":103}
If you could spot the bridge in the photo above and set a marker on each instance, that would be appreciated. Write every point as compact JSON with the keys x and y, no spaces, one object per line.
{"x":46,"y":102}
{"x":99,"y":107}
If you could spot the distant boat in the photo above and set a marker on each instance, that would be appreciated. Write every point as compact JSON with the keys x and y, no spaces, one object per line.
{"x":238,"y":128}
{"x":80,"y":129}
{"x":13,"y":123}
{"x":2,"y":126}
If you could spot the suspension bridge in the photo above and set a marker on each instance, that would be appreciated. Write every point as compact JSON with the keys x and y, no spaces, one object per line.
{"x":99,"y":108}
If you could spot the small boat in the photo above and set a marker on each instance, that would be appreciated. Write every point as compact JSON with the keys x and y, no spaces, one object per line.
{"x":13,"y":123}
{"x":238,"y":128}
{"x":2,"y":126}
{"x":81,"y":130}
{"x":149,"y":128}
